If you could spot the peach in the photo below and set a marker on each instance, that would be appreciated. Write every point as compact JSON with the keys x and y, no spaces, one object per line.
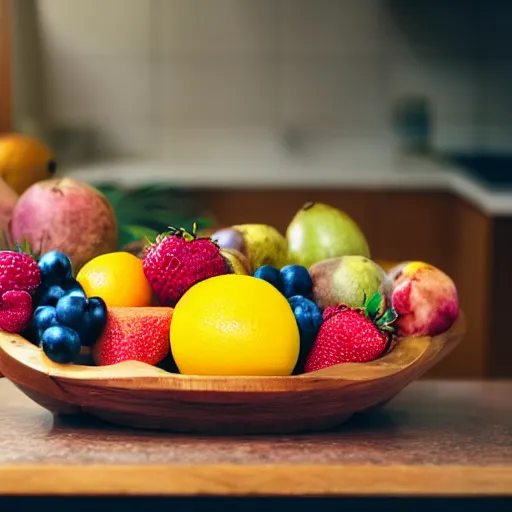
{"x":425,"y":299}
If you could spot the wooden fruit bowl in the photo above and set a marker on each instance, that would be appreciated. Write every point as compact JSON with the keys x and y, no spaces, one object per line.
{"x":138,"y":395}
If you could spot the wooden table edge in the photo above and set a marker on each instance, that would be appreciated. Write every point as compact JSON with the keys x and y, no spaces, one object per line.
{"x":255,"y":480}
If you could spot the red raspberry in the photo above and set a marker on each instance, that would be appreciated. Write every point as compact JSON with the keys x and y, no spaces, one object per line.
{"x":15,"y":310}
{"x":18,"y":271}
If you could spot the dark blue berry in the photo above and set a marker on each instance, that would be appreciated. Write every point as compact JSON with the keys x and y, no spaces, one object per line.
{"x":76,"y":293}
{"x":295,"y":280}
{"x":70,"y":310}
{"x":269,"y":274}
{"x":55,"y":267}
{"x":309,"y":319}
{"x":73,"y":288}
{"x":93,"y":321}
{"x":71,"y":284}
{"x":49,"y":296}
{"x":61,"y":344}
{"x":43,"y":318}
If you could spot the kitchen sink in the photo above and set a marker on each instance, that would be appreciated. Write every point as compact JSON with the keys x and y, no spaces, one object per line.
{"x":492,"y":170}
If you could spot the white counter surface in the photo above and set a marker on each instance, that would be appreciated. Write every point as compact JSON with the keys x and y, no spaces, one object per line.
{"x":400,"y":173}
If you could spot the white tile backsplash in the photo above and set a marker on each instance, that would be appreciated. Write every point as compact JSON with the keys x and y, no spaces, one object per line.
{"x":134,"y":139}
{"x":496,"y":80}
{"x":223,"y":91}
{"x":219,"y":77}
{"x":330,"y":27}
{"x":96,"y":27}
{"x":218,"y":27}
{"x":494,"y":138}
{"x":251,"y":147}
{"x":451,"y":136}
{"x":495,"y":103}
{"x":347,"y":93}
{"x":102,"y":89}
{"x":449,"y":84}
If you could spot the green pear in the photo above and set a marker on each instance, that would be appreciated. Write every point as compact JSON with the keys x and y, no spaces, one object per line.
{"x":347,"y":280}
{"x":264,"y":245}
{"x":319,"y":232}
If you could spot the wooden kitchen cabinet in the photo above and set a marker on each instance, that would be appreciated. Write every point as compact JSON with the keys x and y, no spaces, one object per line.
{"x":438,"y":227}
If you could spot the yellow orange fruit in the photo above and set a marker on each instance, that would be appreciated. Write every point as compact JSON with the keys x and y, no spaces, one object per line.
{"x":118,"y":278}
{"x":234,"y":325}
{"x":24,"y":161}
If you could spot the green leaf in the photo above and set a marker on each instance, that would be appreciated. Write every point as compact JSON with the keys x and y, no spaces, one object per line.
{"x":386,"y":321}
{"x":140,"y":232}
{"x":152,"y":208}
{"x":114,"y":196}
{"x":8,"y":244}
{"x":373,"y":305}
{"x":388,"y":317}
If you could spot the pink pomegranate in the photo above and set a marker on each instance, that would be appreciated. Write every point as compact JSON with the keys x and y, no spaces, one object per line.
{"x":66,"y":215}
{"x":8,"y":200}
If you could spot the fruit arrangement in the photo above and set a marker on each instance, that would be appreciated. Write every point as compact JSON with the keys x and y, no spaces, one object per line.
{"x":240,"y":300}
{"x":64,"y":319}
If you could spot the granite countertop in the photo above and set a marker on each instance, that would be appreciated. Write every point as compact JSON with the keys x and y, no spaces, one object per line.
{"x":436,"y":438}
{"x":389,"y":171}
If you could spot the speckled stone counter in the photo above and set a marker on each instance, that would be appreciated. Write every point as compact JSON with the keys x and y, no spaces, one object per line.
{"x":436,"y":438}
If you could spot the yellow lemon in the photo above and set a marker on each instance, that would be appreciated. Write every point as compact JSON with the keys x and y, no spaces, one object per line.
{"x":24,"y":161}
{"x":234,"y":325}
{"x":118,"y":278}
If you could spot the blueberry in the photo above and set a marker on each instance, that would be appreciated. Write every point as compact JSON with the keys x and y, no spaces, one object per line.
{"x":71,"y":284}
{"x":73,"y":288}
{"x":55,"y":267}
{"x":70,"y":310}
{"x":93,"y":322}
{"x":43,"y":318}
{"x":295,"y":280}
{"x":269,"y":274}
{"x":61,"y":344}
{"x":309,"y":319}
{"x":76,"y":293}
{"x":49,"y":296}
{"x":98,"y":309}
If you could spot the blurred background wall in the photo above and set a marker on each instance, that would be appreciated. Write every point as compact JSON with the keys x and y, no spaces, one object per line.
{"x":249,"y":108}
{"x":191,"y":78}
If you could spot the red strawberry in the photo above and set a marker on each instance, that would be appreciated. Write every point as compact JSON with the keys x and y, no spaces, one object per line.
{"x":15,"y":310}
{"x":136,"y":334}
{"x":18,"y":271}
{"x":178,"y":260}
{"x":349,"y":335}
